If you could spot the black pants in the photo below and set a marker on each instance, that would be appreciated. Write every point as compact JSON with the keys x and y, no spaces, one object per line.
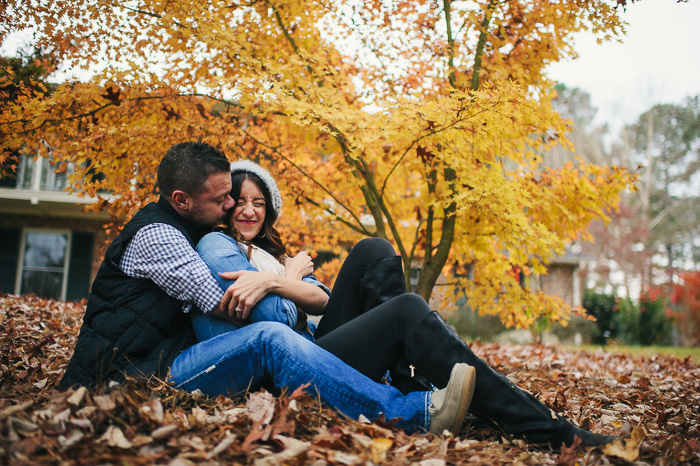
{"x":370,"y":340}
{"x":373,"y":325}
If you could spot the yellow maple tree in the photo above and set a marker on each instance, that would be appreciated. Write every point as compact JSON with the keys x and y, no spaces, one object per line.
{"x":419,"y":121}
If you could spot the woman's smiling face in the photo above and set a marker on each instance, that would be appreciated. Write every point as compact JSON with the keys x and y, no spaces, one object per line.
{"x":249,"y":212}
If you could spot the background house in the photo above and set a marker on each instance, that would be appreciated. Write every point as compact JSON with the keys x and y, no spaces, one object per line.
{"x":562,"y":279}
{"x":49,"y":245}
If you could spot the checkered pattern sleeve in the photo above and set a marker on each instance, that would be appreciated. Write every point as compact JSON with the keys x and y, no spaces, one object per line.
{"x":161,"y":253}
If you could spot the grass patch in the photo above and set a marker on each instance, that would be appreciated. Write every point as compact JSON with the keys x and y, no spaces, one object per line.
{"x":647,"y":351}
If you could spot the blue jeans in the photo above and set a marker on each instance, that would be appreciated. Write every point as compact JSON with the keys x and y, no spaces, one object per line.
{"x":223,"y":254}
{"x":206,"y":326}
{"x":271,"y":352}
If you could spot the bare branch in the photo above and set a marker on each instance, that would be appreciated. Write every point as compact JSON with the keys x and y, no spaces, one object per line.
{"x":361,"y":229}
{"x":439,"y":130}
{"x":303,"y":172}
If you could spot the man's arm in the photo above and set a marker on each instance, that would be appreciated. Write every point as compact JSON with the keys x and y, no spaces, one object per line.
{"x":161,"y":253}
{"x":222,"y":254}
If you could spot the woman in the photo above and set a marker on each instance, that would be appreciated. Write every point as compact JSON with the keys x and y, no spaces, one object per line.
{"x":369,"y":321}
{"x":282,"y":288}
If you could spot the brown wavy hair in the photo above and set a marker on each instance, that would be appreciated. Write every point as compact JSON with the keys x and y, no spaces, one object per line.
{"x":269,"y":238}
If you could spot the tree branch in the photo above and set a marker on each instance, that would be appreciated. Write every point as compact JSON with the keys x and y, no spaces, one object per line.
{"x":389,"y":219}
{"x":447,"y":6}
{"x":294,"y":46}
{"x":142,"y":12}
{"x":362,"y":230}
{"x":303,"y":172}
{"x":407,"y":272}
{"x":444,"y":128}
{"x":99,"y":109}
{"x":482,"y":44}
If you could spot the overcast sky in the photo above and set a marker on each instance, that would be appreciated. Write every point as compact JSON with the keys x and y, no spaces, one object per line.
{"x":657,"y":62}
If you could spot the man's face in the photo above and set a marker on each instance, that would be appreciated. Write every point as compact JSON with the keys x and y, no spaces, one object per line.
{"x":210,"y":207}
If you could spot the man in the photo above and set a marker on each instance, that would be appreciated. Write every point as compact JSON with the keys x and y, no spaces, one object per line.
{"x":136,"y":321}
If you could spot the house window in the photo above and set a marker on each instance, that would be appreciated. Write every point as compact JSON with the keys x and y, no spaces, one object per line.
{"x":44,"y":263}
{"x":37,"y":173}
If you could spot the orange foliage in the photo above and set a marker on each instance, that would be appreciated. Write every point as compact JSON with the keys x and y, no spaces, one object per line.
{"x":686,"y":297}
{"x":420,"y":123}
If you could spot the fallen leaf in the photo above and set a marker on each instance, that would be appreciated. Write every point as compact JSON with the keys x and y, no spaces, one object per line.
{"x":115,"y":438}
{"x":223,"y":445}
{"x":343,"y":458}
{"x":257,"y":432}
{"x":432,"y":462}
{"x":75,"y":437}
{"x":140,"y":440}
{"x":567,"y":457}
{"x":22,"y":425}
{"x":164,"y":432}
{"x":82,"y":423}
{"x":261,"y":407}
{"x":693,"y":444}
{"x":292,"y":449}
{"x":379,"y":448}
{"x":41,"y":384}
{"x":626,"y":448}
{"x":15,"y":409}
{"x":77,"y":396}
{"x":105,"y":403}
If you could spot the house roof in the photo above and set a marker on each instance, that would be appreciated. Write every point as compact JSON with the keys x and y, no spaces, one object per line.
{"x":56,"y":204}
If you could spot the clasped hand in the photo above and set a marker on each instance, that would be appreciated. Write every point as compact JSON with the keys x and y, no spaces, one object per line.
{"x":247,"y":290}
{"x":252,"y":286}
{"x":299,"y":266}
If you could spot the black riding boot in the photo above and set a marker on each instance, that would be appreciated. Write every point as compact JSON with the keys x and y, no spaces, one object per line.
{"x":434,"y":348}
{"x":407,"y":378}
{"x":383,"y":279}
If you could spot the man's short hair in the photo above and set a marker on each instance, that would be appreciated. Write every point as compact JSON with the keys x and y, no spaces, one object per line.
{"x":187,"y":166}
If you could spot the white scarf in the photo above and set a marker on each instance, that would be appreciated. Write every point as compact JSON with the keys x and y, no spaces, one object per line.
{"x":263,"y":261}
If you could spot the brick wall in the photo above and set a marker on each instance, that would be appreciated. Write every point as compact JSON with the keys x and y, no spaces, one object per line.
{"x":559,"y":281}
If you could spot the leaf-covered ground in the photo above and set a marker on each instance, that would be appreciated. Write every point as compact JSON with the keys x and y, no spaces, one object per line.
{"x":150,"y":423}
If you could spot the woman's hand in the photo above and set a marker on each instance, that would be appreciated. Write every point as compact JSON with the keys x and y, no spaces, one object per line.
{"x":299,"y":266}
{"x":250,"y":287}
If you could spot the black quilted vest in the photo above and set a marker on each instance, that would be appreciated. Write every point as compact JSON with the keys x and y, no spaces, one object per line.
{"x":131,"y":326}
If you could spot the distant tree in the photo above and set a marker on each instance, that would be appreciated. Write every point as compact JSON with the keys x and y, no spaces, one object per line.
{"x":665,"y":142}
{"x":686,"y":299}
{"x":615,"y":249}
{"x":653,"y":232}
{"x":25,"y":74}
{"x":654,"y":318}
{"x":575,"y":105}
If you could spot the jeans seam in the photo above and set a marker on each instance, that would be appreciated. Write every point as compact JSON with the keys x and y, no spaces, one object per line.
{"x":426,"y":412}
{"x":347,"y":397}
{"x":292,"y":363}
{"x":208,"y":368}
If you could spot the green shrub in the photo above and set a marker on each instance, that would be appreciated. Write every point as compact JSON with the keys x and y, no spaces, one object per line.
{"x":586,"y":329}
{"x":471,"y":326}
{"x":654,"y":327}
{"x":645,"y":323}
{"x":604,"y":308}
{"x":627,"y":322}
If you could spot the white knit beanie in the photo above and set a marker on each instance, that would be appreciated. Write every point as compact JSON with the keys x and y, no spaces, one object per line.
{"x":270,"y":185}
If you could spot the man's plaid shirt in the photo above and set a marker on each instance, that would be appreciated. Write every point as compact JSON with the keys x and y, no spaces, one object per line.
{"x":161,"y":253}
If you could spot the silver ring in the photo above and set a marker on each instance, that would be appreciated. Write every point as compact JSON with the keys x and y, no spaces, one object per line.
{"x":238,"y":310}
